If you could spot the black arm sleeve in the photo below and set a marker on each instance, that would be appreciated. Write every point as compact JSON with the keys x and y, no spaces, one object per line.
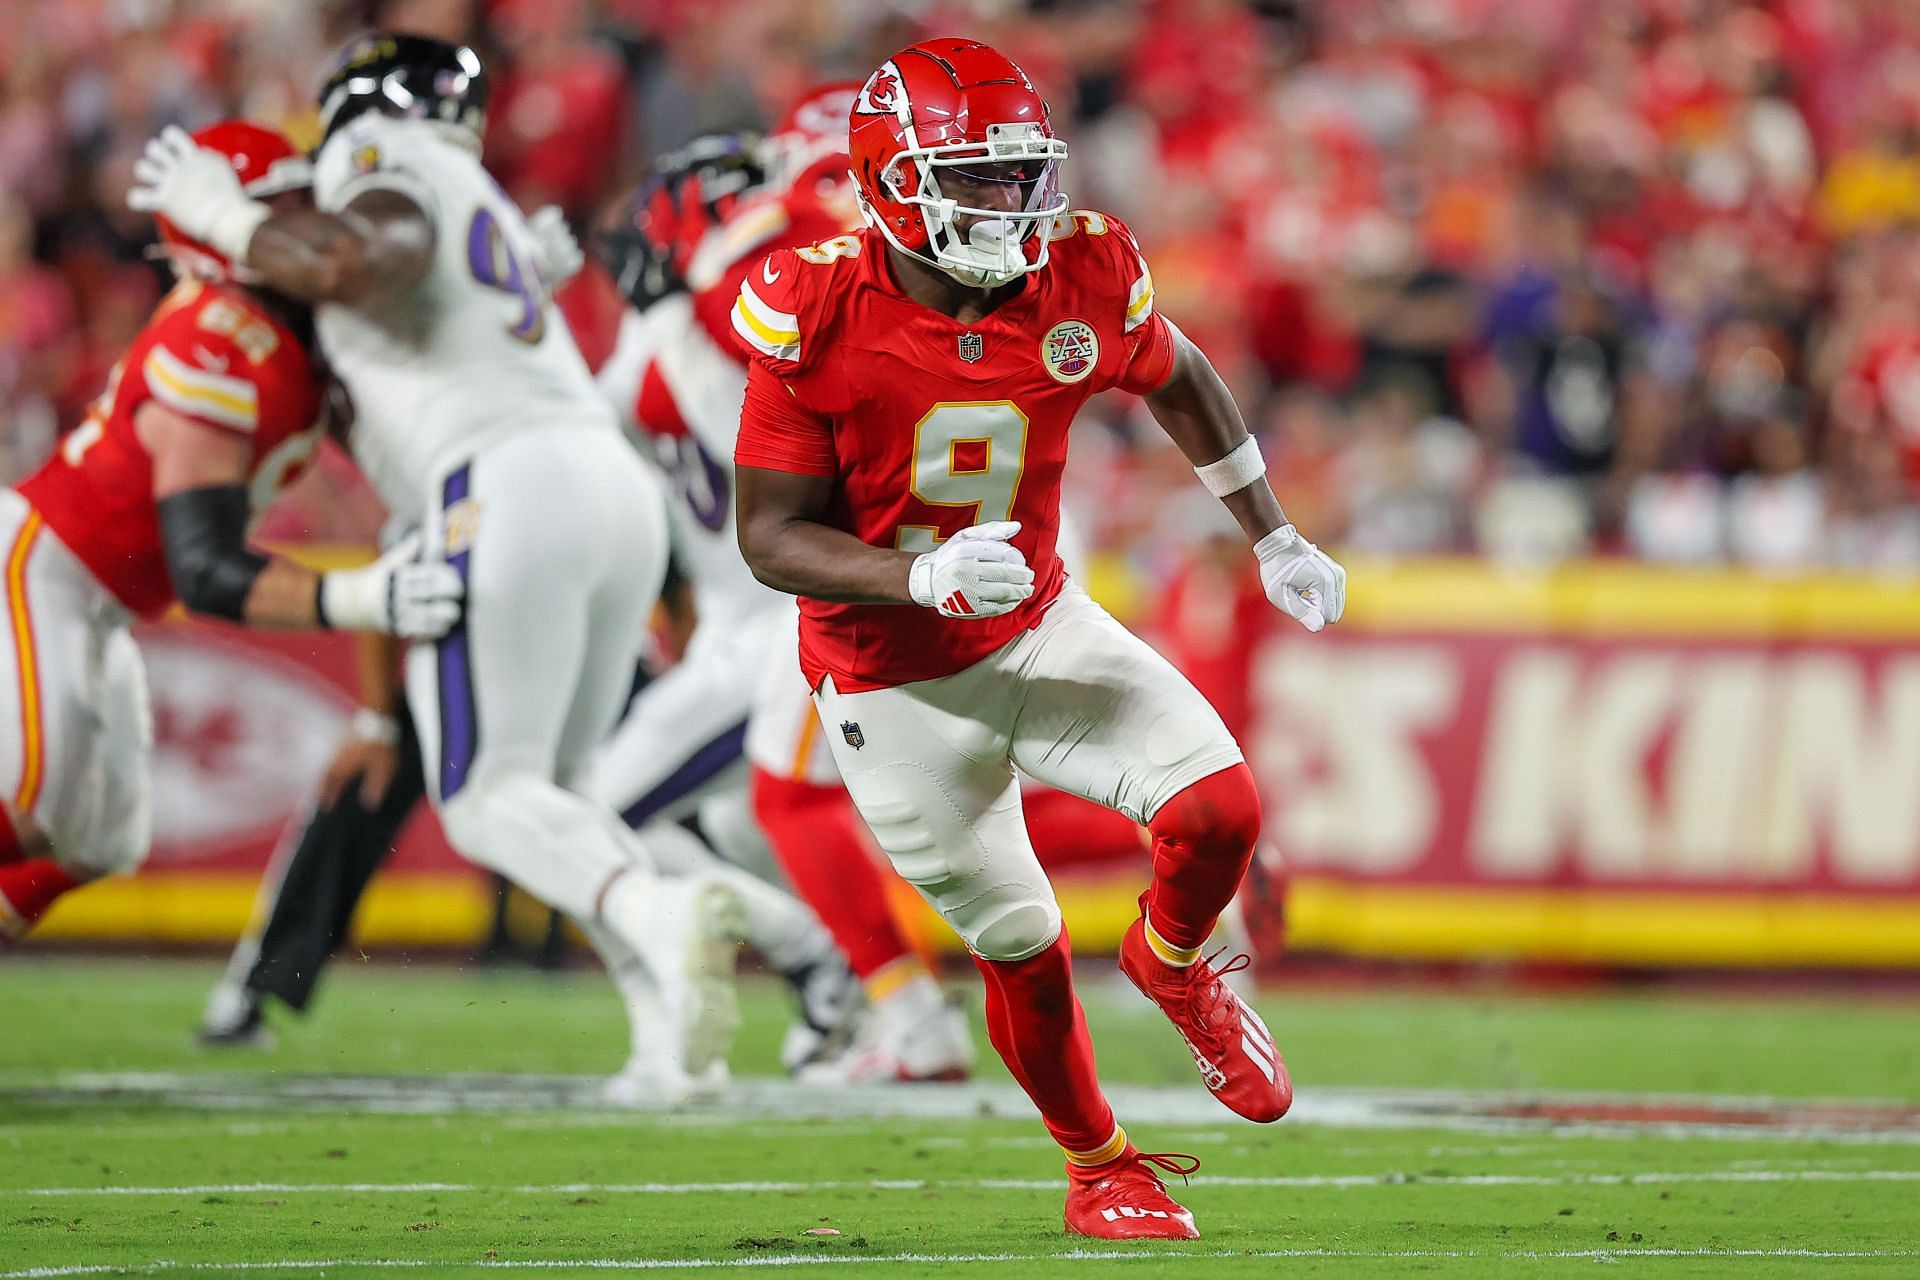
{"x":204,"y":532}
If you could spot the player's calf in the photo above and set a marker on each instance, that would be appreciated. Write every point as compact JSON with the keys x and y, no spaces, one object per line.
{"x":1203,"y":839}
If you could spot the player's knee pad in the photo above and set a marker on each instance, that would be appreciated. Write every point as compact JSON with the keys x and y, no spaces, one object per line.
{"x":1218,"y":815}
{"x":1006,"y":923}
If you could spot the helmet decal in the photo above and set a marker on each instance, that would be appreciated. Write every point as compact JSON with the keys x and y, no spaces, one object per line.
{"x":882,"y":95}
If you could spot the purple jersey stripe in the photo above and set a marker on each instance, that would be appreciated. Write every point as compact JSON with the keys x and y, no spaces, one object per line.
{"x":696,"y":771}
{"x":459,"y":716}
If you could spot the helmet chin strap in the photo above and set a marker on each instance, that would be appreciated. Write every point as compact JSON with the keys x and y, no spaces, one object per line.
{"x":981,"y":261}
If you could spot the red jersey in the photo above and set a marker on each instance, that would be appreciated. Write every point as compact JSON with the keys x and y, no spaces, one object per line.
{"x":809,"y":211}
{"x":210,"y":353}
{"x":926,"y":425}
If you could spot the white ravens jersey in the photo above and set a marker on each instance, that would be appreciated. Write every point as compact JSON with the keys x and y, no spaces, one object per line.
{"x":476,"y":350}
{"x":707,"y":386}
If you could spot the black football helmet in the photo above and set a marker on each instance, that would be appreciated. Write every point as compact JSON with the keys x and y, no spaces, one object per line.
{"x":405,"y":75}
{"x":689,"y":191}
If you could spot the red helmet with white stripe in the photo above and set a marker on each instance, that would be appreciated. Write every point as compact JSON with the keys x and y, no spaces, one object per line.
{"x":267,"y":165}
{"x":961,"y":109}
{"x":813,"y":132}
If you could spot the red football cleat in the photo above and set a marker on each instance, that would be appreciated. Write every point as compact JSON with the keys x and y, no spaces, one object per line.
{"x":1229,"y":1043}
{"x":1124,"y":1200}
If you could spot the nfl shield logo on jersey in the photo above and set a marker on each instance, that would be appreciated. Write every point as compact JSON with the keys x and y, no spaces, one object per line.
{"x":1070,"y":350}
{"x":972,"y":347}
{"x":851,"y":732}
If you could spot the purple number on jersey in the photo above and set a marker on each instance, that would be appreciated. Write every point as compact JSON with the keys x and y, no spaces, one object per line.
{"x":701,"y":481}
{"x":495,"y":266}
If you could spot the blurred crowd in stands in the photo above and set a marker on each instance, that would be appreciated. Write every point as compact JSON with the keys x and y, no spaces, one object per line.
{"x":1522,"y":278}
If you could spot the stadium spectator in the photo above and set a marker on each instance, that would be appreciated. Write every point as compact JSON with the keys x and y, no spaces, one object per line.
{"x":1495,"y":275}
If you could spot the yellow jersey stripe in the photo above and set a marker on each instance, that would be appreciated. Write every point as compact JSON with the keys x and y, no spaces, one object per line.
{"x":772,"y":317}
{"x":32,"y":717}
{"x":772,"y":337}
{"x":181,"y":387}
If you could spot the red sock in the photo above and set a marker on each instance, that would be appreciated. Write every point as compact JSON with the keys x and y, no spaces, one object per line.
{"x":10,"y":850}
{"x":27,"y":889}
{"x":1036,"y":1024}
{"x":1202,"y":841}
{"x":1068,"y":831}
{"x":822,"y":845}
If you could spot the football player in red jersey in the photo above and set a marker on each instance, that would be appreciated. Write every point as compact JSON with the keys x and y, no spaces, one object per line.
{"x":215,"y":407}
{"x":899,"y":458}
{"x":678,"y":378}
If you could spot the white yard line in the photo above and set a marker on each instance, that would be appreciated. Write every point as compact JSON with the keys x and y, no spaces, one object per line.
{"x":1147,"y":1254}
{"x":1301,"y":1182}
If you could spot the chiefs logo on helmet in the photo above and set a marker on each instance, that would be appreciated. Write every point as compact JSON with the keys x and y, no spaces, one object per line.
{"x":880,"y":96}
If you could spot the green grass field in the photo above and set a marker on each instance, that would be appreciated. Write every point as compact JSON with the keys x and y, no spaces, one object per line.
{"x":436,"y":1121}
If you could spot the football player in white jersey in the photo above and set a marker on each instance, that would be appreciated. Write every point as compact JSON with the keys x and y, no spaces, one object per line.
{"x":738,"y":695}
{"x":477,"y":417}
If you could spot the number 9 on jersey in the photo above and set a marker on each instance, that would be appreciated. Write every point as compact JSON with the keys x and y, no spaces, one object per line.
{"x":967,"y":454}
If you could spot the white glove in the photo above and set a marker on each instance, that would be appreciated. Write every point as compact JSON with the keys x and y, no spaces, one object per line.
{"x":398,"y":594}
{"x":1304,"y":581}
{"x":559,"y":254}
{"x":977,"y":573}
{"x":198,"y":191}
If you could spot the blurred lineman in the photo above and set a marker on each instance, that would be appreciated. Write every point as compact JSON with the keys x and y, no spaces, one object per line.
{"x":214,"y":408}
{"x":479,"y":420}
{"x":899,"y":461}
{"x":692,"y":235}
{"x":317,"y":875}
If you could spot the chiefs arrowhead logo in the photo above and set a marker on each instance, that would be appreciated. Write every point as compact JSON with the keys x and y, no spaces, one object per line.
{"x":882,"y":94}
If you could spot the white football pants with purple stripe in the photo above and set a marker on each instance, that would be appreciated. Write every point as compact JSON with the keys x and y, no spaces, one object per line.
{"x":561,"y":536}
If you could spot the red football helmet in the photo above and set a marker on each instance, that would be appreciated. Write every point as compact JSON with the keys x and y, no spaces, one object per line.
{"x":957,"y":105}
{"x":813,"y":131}
{"x":267,"y":165}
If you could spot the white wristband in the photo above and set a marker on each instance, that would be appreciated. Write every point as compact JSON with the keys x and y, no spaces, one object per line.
{"x":1235,"y":471}
{"x":371,"y":726}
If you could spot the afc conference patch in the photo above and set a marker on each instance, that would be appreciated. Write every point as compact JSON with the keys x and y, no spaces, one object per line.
{"x":1070,"y":350}
{"x":851,"y":732}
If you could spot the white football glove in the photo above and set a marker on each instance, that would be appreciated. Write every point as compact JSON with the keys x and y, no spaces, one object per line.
{"x":977,"y":573}
{"x":1304,"y":581}
{"x":198,"y":191}
{"x":559,"y":254}
{"x":399,"y":594}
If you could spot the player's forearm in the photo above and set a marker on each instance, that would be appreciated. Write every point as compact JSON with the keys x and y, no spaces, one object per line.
{"x":806,"y":558}
{"x":375,"y":249}
{"x":282,"y":596}
{"x":376,"y":661}
{"x":1197,"y":411}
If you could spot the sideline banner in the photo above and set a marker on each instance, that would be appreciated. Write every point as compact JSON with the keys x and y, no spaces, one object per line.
{"x":244,"y":724}
{"x":1603,"y":764}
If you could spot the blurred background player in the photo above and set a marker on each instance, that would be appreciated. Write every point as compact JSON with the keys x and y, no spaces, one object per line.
{"x":324,"y":862}
{"x":941,"y":636}
{"x":673,"y":773}
{"x":479,"y":420}
{"x":215,"y":406}
{"x":679,"y":256}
